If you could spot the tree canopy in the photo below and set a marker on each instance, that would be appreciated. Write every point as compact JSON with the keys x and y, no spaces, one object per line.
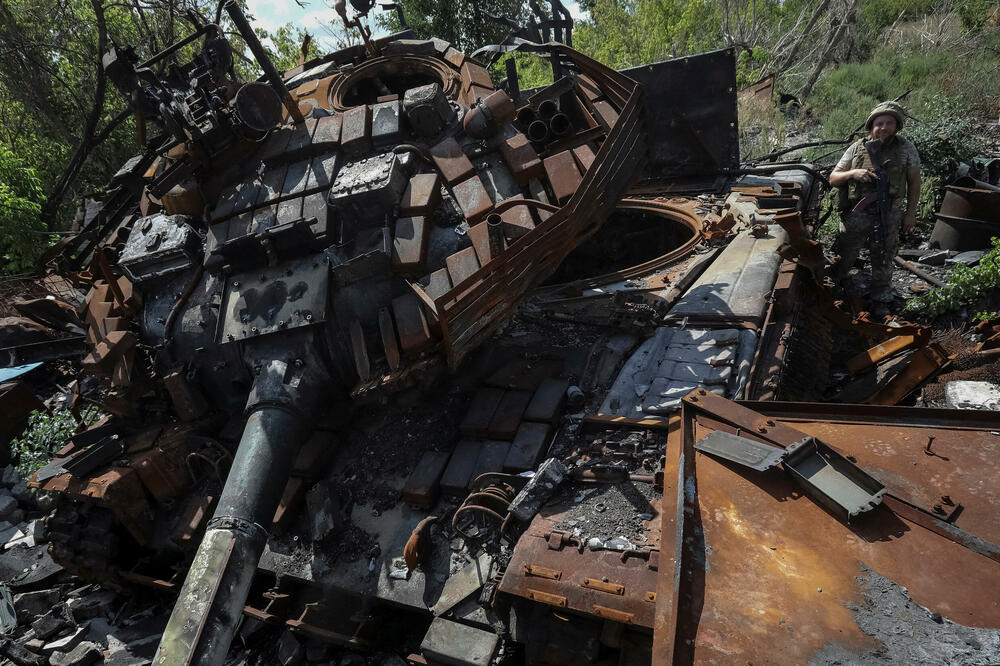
{"x":64,"y":131}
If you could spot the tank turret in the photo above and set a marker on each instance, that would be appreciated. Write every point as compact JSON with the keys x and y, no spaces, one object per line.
{"x":286,"y":245}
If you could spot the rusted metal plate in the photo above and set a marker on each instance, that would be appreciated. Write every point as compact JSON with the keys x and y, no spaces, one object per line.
{"x":451,"y":161}
{"x":359,"y":349}
{"x":521,"y":158}
{"x":584,"y":156}
{"x":563,"y":174}
{"x":529,"y":445}
{"x":409,"y":245}
{"x":462,"y":265}
{"x":542,"y":572}
{"x":411,"y":323}
{"x":475,"y":75}
{"x":479,"y":235}
{"x":472,"y":198}
{"x":387,"y":331}
{"x":547,"y":598}
{"x":421,"y":487}
{"x":422,"y":195}
{"x":356,"y":129}
{"x":603,"y":586}
{"x":507,"y":417}
{"x":603,"y":583}
{"x":462,"y":464}
{"x":517,"y":221}
{"x":454,"y":57}
{"x":547,"y":402}
{"x":163,"y":470}
{"x":766,"y":571}
{"x":470,"y":315}
{"x":613,"y":614}
{"x":477,"y":419}
{"x":438,"y":283}
{"x":924,"y":363}
{"x":491,"y":457}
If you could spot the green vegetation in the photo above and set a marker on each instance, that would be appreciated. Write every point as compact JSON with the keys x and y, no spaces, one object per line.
{"x":21,"y":230}
{"x":941,"y":94}
{"x":64,"y":129}
{"x":532,"y":70}
{"x":46,"y":433}
{"x":287,"y":50}
{"x":466,"y":24}
{"x":966,"y":285}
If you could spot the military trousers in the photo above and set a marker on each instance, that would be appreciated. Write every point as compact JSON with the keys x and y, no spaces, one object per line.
{"x":857,"y":232}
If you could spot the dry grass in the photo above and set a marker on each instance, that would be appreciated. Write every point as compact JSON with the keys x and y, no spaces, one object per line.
{"x":762,"y":126}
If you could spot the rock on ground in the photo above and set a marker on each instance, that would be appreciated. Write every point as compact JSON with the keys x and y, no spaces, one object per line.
{"x":972,"y":395}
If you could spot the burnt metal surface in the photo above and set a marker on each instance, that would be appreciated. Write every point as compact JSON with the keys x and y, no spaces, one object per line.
{"x":804,"y":562}
{"x":691,"y":137}
{"x":273,"y":300}
{"x":277,"y":284}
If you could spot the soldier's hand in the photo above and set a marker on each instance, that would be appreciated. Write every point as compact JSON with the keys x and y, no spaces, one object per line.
{"x":863,"y":175}
{"x":909,"y":221}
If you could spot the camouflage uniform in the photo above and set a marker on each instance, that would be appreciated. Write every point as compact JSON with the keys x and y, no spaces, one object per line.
{"x":855,"y":228}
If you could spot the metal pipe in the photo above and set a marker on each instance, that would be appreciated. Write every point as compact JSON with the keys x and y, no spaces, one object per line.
{"x":923,"y":275}
{"x":174,"y":48}
{"x":494,"y":228}
{"x":525,"y":117}
{"x":547,"y":108}
{"x":538,"y":131}
{"x":559,"y":124}
{"x":972,"y":183}
{"x":273,"y":77}
{"x":208,"y":609}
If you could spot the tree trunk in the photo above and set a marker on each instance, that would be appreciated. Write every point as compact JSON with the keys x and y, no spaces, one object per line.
{"x":87,"y":142}
{"x":824,"y":57}
{"x":793,"y":51}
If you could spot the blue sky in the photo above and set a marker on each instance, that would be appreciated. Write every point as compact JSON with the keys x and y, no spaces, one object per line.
{"x":315,"y":16}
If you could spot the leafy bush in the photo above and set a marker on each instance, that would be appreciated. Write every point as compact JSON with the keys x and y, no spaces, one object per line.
{"x":532,"y":70}
{"x":46,"y":433}
{"x":965,"y":286}
{"x":20,"y":204}
{"x":944,"y":136}
{"x":975,"y":14}
{"x":844,"y":96}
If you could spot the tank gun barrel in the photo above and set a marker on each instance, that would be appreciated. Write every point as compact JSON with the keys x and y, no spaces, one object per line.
{"x":211,"y":600}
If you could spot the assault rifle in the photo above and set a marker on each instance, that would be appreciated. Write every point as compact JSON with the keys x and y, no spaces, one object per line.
{"x":881,"y":198}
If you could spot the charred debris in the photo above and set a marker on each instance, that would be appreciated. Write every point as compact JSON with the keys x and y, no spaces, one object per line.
{"x":395,"y":364}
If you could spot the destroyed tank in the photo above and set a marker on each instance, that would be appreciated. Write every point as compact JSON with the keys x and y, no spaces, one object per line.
{"x":285,"y":246}
{"x":277,"y":281}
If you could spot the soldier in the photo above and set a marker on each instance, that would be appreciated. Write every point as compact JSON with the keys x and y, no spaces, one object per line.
{"x":874,"y":211}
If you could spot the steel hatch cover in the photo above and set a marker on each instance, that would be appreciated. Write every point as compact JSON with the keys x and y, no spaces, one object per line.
{"x":752,"y":454}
